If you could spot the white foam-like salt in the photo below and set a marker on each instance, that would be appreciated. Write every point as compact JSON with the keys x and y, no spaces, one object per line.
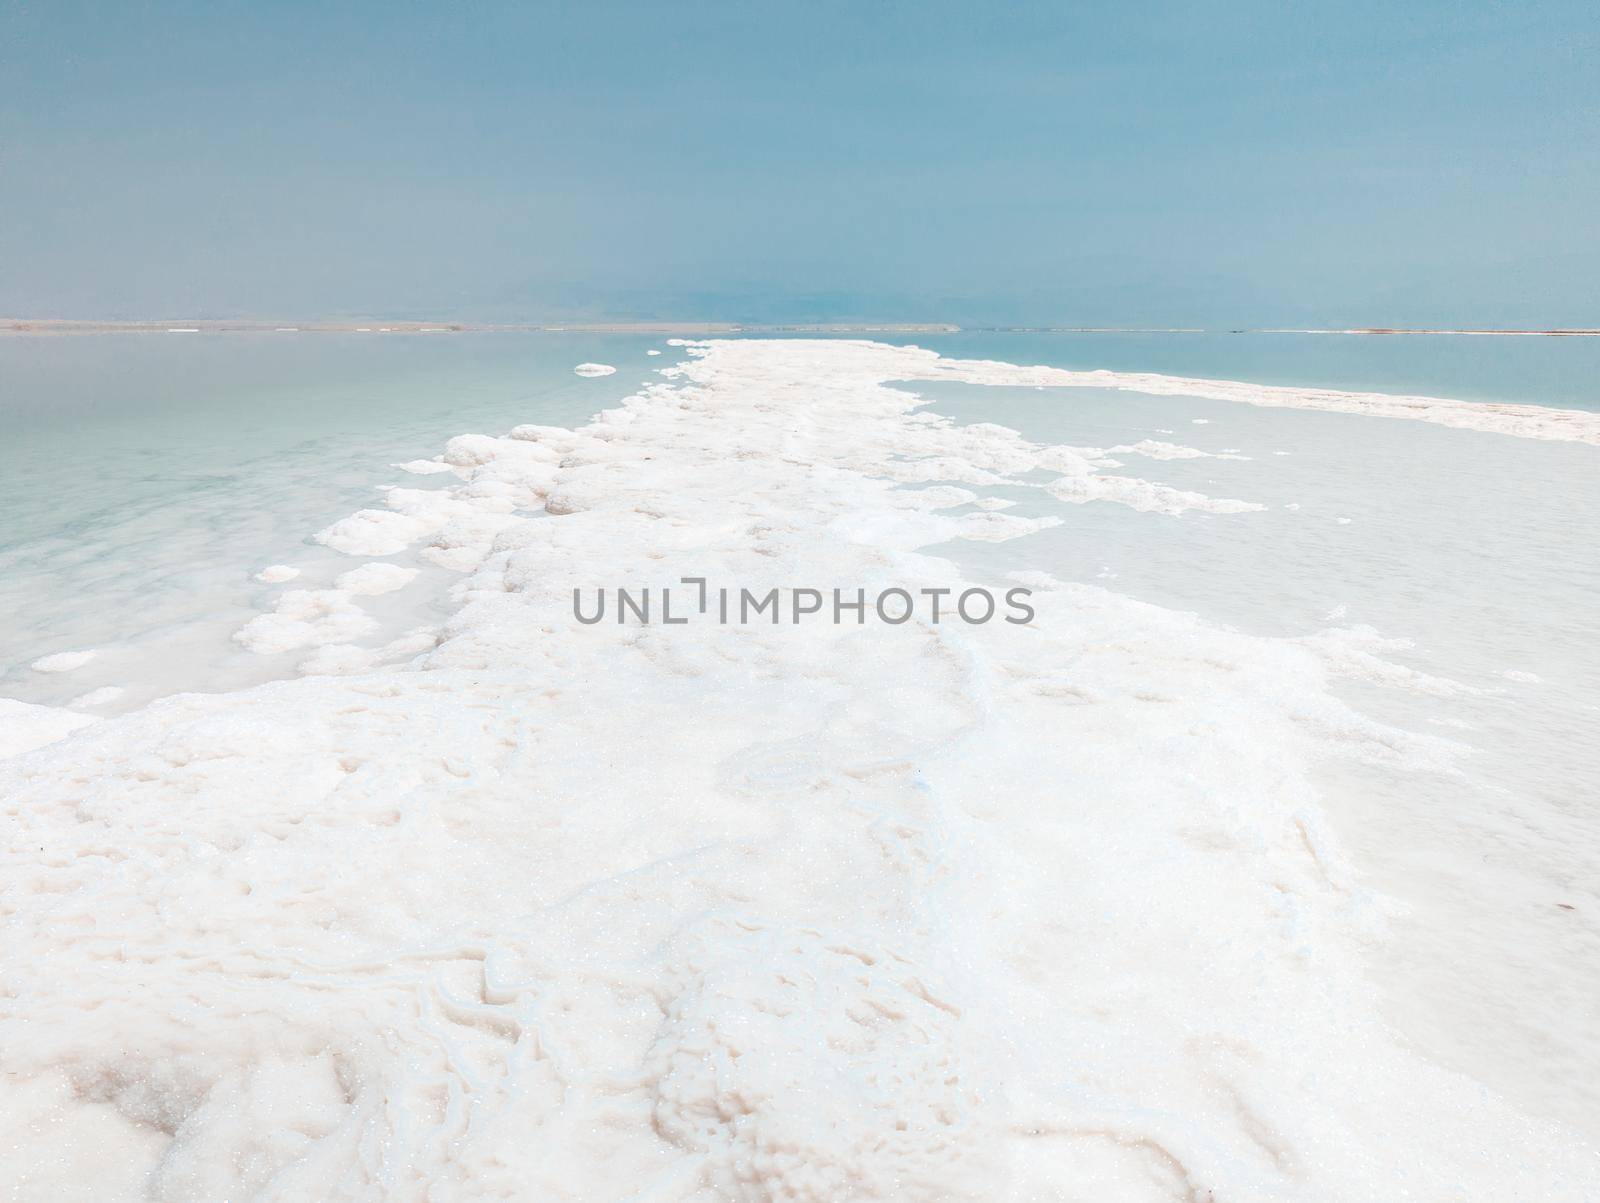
{"x":1520,"y":421}
{"x":305,"y":618}
{"x":372,"y":533}
{"x":594,"y":369}
{"x":423,"y":467}
{"x":1041,"y":910}
{"x":1144,"y":495}
{"x":275,"y":574}
{"x":370,"y":580}
{"x":104,"y":696}
{"x":1156,"y":449}
{"x":63,"y":662}
{"x":25,"y":726}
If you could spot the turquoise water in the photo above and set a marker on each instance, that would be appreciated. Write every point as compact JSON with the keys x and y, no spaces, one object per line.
{"x":1535,"y":371}
{"x":144,"y":479}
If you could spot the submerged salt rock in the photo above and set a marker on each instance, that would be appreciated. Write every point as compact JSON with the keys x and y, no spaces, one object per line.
{"x":275,"y":574}
{"x":594,"y":369}
{"x":103,"y":696}
{"x":1144,"y":496}
{"x":63,"y":662}
{"x":372,"y":533}
{"x":991,"y":526}
{"x":305,"y":618}
{"x":1158,"y":449}
{"x":423,"y":467}
{"x":370,"y":580}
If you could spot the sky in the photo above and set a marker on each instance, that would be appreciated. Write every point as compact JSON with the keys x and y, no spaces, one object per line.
{"x":984,"y":163}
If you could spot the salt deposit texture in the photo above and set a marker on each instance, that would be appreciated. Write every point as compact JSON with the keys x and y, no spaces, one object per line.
{"x":509,"y":906}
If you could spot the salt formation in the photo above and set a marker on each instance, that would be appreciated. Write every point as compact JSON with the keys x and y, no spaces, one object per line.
{"x":276,"y":574}
{"x":372,"y":579}
{"x":63,"y":662}
{"x":1521,"y":421}
{"x":424,"y":467}
{"x":594,"y":369}
{"x":305,"y":618}
{"x":24,"y":726}
{"x":103,"y":696}
{"x":762,"y":912}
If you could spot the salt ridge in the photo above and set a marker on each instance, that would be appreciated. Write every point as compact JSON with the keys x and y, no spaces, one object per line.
{"x":1520,"y":421}
{"x":764,"y":912}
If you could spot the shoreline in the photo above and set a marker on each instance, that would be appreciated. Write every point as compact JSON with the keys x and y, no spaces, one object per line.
{"x":35,"y":327}
{"x":673,"y":885}
{"x":25,"y":327}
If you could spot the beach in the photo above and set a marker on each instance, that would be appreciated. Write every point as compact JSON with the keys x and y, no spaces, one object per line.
{"x":1157,"y":892}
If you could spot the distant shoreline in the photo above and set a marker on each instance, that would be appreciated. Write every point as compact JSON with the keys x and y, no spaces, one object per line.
{"x":50,"y":326}
{"x":26,"y":327}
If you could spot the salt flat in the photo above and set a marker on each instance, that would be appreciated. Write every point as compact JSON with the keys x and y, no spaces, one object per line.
{"x":512,"y":904}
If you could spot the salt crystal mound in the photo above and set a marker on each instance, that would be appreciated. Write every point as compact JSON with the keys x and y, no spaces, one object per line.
{"x":103,"y":696}
{"x":371,"y":580}
{"x":24,"y":726}
{"x":305,"y":618}
{"x":276,"y":574}
{"x":63,"y":662}
{"x":957,"y":912}
{"x":594,"y":369}
{"x":1157,"y":449}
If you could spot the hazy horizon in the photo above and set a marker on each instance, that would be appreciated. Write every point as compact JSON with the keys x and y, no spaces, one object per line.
{"x":1159,"y":165}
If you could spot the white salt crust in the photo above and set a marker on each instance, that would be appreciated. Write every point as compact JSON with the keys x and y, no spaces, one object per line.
{"x":423,"y":467}
{"x":103,"y":696}
{"x":706,"y":912}
{"x":24,"y":726}
{"x":370,"y":580}
{"x":63,"y":662}
{"x":1522,"y":421}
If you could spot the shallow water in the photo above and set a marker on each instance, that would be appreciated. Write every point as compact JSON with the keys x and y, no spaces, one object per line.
{"x":1531,"y":370}
{"x":144,"y":480}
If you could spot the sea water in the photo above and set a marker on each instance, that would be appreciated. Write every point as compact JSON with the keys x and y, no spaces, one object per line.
{"x":146,"y":479}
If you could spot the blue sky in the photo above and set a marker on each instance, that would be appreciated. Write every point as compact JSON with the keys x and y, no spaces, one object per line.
{"x":1227,"y":164}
